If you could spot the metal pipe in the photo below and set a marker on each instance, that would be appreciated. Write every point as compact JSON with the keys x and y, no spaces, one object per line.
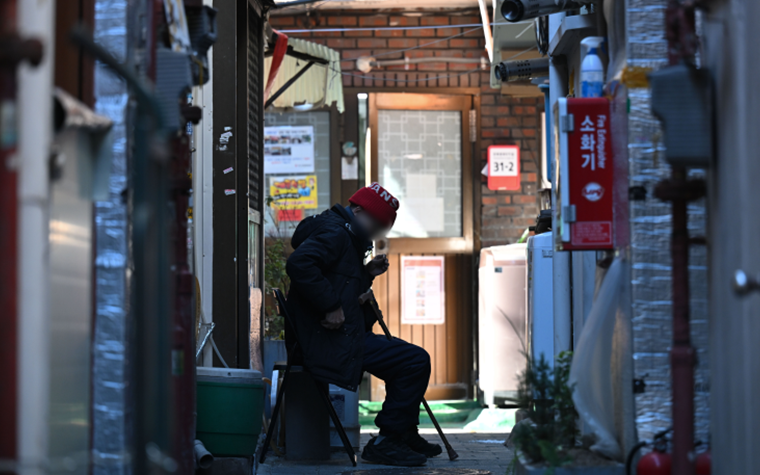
{"x":680,"y":191}
{"x":35,"y":92}
{"x":203,"y":458}
{"x":372,"y":63}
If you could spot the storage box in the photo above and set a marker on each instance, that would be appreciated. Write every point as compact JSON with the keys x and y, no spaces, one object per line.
{"x":230,"y":404}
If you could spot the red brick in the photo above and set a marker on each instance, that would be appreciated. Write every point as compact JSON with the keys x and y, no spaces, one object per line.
{"x":354,"y":54}
{"x":358,"y":33}
{"x":389,"y":33}
{"x":464,"y":43}
{"x":529,"y":177}
{"x":508,"y":211}
{"x":524,"y":199}
{"x":493,"y":133}
{"x":375,"y":20}
{"x":404,"y":21}
{"x":465,"y":20}
{"x":372,"y":43}
{"x":529,"y":132}
{"x":431,"y":66}
{"x":322,"y":34}
{"x":489,"y":211}
{"x":342,"y":20}
{"x":282,"y":20}
{"x":341,"y":43}
{"x":402,"y":43}
{"x":434,"y":20}
{"x":487,"y":99}
{"x":421,"y":33}
{"x":443,"y":32}
{"x":505,"y":199}
{"x":509,"y":121}
{"x":523,"y":222}
{"x":489,"y":200}
{"x":494,"y":222}
{"x":487,"y":122}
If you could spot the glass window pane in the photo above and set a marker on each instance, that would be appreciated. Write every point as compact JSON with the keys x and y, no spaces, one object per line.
{"x":320,"y":121}
{"x":420,"y":162}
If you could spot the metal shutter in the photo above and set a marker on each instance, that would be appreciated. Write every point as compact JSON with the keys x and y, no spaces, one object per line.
{"x":255,"y":101}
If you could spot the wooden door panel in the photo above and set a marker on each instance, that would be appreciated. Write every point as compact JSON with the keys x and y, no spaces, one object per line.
{"x":449,"y":344}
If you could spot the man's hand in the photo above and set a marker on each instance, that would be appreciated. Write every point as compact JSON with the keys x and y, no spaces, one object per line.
{"x":333,"y":320}
{"x":378,"y":265}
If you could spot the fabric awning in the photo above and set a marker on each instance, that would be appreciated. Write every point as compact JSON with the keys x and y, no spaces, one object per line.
{"x":320,"y":85}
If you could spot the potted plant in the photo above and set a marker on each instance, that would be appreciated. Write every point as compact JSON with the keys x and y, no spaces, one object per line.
{"x":546,"y":441}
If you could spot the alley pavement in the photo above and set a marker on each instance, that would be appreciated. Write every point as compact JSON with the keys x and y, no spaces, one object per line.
{"x":478,"y":452}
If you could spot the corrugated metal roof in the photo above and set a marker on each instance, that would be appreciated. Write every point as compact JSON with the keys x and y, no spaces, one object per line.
{"x":320,"y":85}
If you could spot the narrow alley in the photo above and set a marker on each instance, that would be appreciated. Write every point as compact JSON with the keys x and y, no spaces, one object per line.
{"x":379,"y":237}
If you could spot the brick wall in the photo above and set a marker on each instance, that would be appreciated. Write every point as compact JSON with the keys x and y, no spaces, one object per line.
{"x":504,"y":120}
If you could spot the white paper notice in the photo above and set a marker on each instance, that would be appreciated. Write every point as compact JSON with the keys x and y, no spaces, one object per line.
{"x":288,"y":149}
{"x":423,"y":300}
{"x":349,"y":168}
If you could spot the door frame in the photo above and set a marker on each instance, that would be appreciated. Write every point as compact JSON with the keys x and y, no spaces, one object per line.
{"x":430,"y":101}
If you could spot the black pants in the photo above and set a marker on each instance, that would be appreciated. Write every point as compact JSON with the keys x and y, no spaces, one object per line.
{"x":405,"y":368}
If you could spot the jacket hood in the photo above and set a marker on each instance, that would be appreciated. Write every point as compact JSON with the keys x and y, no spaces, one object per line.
{"x":337,"y":216}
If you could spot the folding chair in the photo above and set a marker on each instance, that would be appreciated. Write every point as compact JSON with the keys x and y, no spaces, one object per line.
{"x":323,"y":390}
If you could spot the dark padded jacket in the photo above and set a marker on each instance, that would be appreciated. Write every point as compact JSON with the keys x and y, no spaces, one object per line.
{"x":327,"y":272}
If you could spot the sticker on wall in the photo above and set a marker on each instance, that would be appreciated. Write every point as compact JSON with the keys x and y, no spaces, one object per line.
{"x":503,"y":167}
{"x":228,"y":170}
{"x":288,"y":149}
{"x":423,"y":300}
{"x":229,"y":192}
{"x":293,"y":192}
{"x":349,"y":149}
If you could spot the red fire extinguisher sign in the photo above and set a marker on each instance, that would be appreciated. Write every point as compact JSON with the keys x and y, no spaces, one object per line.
{"x":585,"y":195}
{"x":503,"y":167}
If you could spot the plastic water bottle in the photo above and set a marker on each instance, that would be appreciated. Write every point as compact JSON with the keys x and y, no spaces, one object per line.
{"x":592,"y":70}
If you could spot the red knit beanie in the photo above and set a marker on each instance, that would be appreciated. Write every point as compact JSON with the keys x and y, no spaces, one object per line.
{"x":376,"y":201}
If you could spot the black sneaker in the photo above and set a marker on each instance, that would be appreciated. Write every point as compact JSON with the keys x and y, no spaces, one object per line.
{"x":417,"y":443}
{"x":392,"y":451}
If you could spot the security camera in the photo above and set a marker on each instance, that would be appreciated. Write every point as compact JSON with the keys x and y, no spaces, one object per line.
{"x":518,"y":10}
{"x":509,"y":71}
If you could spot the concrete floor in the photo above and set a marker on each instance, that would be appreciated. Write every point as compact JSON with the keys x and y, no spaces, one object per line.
{"x":482,"y":452}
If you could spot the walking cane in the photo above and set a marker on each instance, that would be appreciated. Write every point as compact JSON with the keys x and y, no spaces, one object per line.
{"x":369,"y":297}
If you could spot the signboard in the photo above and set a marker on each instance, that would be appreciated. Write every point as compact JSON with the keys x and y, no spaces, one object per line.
{"x":586,"y":174}
{"x":503,"y":167}
{"x":423,"y":300}
{"x":288,"y":149}
{"x":293,"y":192}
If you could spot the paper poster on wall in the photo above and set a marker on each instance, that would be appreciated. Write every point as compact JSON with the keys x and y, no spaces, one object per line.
{"x":293,"y":192}
{"x":423,"y":299}
{"x":349,"y":168}
{"x":288,"y":149}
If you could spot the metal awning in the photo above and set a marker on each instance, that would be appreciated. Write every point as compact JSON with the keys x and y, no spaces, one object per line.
{"x":309,"y":77}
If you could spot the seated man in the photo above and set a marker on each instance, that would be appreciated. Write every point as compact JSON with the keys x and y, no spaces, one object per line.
{"x":328,"y":274}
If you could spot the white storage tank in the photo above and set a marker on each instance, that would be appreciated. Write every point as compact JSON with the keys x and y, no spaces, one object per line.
{"x":501,"y":321}
{"x":540,"y":304}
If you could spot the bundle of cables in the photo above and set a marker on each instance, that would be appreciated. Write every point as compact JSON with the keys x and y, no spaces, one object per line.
{"x":542,"y":34}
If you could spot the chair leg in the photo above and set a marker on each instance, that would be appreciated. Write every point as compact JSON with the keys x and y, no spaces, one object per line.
{"x":275,"y":414}
{"x":324,"y":391}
